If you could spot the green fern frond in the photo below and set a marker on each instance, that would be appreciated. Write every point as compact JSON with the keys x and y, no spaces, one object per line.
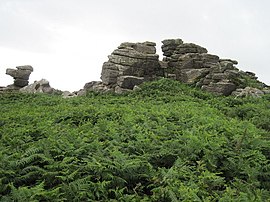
{"x":34,"y":158}
{"x":31,"y":151}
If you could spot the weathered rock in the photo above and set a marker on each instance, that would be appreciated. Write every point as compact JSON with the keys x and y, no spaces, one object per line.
{"x":248,"y":92}
{"x":20,"y":82}
{"x":251,"y":75}
{"x":20,"y":75}
{"x":170,"y":45}
{"x":191,"y":75}
{"x":67,"y":94}
{"x":134,"y":63}
{"x":220,"y":88}
{"x":128,"y":82}
{"x":120,"y":90}
{"x":146,"y":47}
{"x":192,"y":64}
{"x":226,"y":65}
{"x":25,"y":67}
{"x":219,"y":76}
{"x":189,"y":48}
{"x":129,"y":65}
{"x":97,"y":86}
{"x":110,"y":72}
{"x":42,"y":86}
{"x":229,"y":60}
{"x":9,"y":88}
{"x":266,"y":91}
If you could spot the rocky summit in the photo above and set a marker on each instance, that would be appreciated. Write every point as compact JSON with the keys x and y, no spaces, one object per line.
{"x":134,"y":63}
{"x":131,"y":64}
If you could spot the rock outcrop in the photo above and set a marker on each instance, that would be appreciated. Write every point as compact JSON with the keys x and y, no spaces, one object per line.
{"x":134,"y":63}
{"x":21,"y":75}
{"x":192,"y":64}
{"x":42,"y":86}
{"x":129,"y":65}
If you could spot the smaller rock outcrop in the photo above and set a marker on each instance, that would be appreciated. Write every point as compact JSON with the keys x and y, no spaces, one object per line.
{"x":21,"y":75}
{"x":42,"y":86}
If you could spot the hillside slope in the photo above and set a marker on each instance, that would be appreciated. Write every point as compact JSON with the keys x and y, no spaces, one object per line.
{"x":165,"y":142}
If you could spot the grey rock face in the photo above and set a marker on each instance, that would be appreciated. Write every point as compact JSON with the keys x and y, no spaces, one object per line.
{"x":21,"y":75}
{"x":110,"y":72}
{"x":190,"y":76}
{"x":129,"y":65}
{"x":220,"y":88}
{"x":134,"y":63}
{"x":192,"y":64}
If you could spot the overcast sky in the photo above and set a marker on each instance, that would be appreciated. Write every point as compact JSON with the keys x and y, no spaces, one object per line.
{"x":67,"y":41}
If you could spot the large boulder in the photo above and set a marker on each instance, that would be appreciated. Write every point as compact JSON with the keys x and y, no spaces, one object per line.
{"x":129,"y":65}
{"x":220,"y":88}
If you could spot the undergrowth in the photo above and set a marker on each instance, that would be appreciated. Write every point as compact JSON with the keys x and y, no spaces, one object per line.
{"x":165,"y":142}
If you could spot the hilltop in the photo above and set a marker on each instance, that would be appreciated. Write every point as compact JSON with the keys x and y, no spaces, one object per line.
{"x":165,"y":141}
{"x":132,"y":64}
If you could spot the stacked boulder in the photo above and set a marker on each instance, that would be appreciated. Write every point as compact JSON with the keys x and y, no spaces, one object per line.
{"x":190,"y":63}
{"x":128,"y":66}
{"x":21,"y":75}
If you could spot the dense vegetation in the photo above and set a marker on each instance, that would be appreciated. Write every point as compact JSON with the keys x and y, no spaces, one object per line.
{"x":165,"y":142}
